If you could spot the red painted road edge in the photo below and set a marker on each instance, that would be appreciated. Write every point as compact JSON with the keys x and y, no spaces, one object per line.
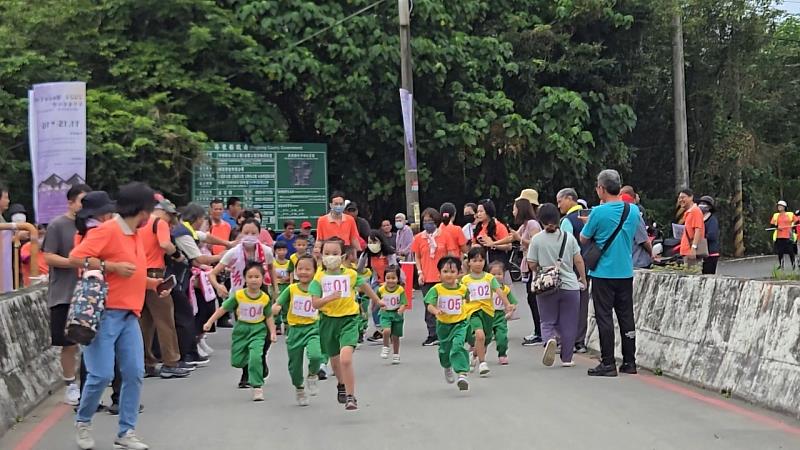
{"x":35,"y":435}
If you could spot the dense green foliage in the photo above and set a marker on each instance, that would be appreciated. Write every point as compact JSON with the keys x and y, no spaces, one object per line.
{"x":509,"y":93}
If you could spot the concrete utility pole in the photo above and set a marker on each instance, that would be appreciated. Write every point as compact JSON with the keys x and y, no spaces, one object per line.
{"x":407,"y":83}
{"x":679,"y":94}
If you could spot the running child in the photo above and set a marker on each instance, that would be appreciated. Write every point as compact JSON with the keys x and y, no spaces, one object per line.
{"x":283,"y":273}
{"x":301,"y":249}
{"x":447,"y":301}
{"x":252,"y":307}
{"x":500,"y":323}
{"x":334,"y":294}
{"x":391,"y":319}
{"x":480,"y":309}
{"x":302,"y":334}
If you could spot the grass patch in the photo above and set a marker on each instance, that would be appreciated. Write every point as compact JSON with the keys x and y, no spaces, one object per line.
{"x":785,"y":275}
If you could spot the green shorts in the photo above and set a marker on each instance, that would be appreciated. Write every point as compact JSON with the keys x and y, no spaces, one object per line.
{"x":337,"y":332}
{"x":394,"y":321}
{"x":479,"y":320}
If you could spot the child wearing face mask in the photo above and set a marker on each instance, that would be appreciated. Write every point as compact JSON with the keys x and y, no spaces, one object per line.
{"x":333,"y":293}
{"x":377,"y":257}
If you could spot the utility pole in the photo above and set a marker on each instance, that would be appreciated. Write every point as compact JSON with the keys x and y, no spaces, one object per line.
{"x":407,"y":103}
{"x":679,"y":94}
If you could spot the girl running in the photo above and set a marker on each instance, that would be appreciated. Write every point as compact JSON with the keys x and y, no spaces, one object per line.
{"x":391,"y":320}
{"x":500,"y":322}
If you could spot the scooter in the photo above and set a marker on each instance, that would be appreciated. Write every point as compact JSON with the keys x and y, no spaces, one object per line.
{"x":665,"y":250}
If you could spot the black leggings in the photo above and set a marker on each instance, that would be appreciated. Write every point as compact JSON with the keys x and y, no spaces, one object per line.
{"x":537,"y":321}
{"x":784,"y":247}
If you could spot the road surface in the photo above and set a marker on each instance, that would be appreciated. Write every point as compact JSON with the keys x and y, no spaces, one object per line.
{"x":521,"y":406}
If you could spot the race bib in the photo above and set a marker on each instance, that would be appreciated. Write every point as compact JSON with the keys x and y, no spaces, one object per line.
{"x":301,"y":306}
{"x":451,"y":304}
{"x":336,"y":283}
{"x":281,"y":273}
{"x":392,"y":301}
{"x":479,"y":291}
{"x":251,"y":312}
{"x":498,"y":303}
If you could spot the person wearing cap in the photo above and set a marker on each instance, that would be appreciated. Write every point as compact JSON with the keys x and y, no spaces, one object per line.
{"x":361,"y":223}
{"x":158,"y":313}
{"x":706,"y":204}
{"x":115,"y":247}
{"x":288,"y":236}
{"x":784,"y":236}
{"x":305,"y":231}
{"x":404,"y":238}
{"x":569,"y":205}
{"x":694,"y":227}
{"x":58,"y":242}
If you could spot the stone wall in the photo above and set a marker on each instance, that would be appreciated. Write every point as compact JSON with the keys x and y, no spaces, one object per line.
{"x":730,"y":334}
{"x":29,"y":366}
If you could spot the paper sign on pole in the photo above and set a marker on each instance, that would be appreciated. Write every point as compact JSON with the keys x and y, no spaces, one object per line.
{"x":407,"y":105}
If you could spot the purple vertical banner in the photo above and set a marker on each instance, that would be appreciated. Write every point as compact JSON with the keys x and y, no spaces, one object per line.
{"x":57,"y":135}
{"x":407,"y":104}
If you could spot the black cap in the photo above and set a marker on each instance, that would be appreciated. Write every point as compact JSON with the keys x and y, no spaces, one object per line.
{"x":16,"y":208}
{"x":96,"y":203}
{"x":708,"y":200}
{"x":352,"y":206}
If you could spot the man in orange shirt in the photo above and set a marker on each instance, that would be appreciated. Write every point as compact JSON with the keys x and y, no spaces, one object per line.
{"x":429,"y":246}
{"x":694,"y":226}
{"x":337,"y":224}
{"x":219,"y":228}
{"x":158,"y":313}
{"x":115,"y":247}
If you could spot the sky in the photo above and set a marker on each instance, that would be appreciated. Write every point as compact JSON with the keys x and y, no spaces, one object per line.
{"x":792,"y":6}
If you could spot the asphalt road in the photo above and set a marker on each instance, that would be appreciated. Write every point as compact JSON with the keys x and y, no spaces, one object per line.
{"x":521,"y":406}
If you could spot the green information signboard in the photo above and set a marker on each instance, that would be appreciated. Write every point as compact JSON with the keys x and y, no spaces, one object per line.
{"x":283,"y":181}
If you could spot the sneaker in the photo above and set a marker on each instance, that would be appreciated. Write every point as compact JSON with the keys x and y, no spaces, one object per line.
{"x":351,"y":404}
{"x":483,"y":370}
{"x":244,"y":385}
{"x":72,"y":394}
{"x":204,"y":345}
{"x":341,"y":395}
{"x":83,"y":435}
{"x":463,"y":384}
{"x":385,"y":353}
{"x":258,"y":394}
{"x":502,"y":360}
{"x":129,"y":441}
{"x":201,"y":352}
{"x":361,"y":338}
{"x":114,"y":409}
{"x":580,"y":348}
{"x":473,"y":363}
{"x":629,"y":368}
{"x":376,"y":337}
{"x":197,"y":360}
{"x":430,"y":342}
{"x":395,"y":359}
{"x":151,"y":372}
{"x":173,"y":372}
{"x":549,"y":356}
{"x":449,"y":375}
{"x":278,"y":330}
{"x":323,"y":373}
{"x":603,"y":370}
{"x":311,"y":385}
{"x":185,"y":366}
{"x":532,"y":341}
{"x":567,"y":363}
{"x":300,"y":395}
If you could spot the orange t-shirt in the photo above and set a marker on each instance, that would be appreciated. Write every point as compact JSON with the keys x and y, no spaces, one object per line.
{"x":346,"y":230}
{"x":25,"y":267}
{"x":784,"y":224}
{"x":456,"y":234}
{"x":500,"y":231}
{"x":421,"y":248}
{"x":693,"y":223}
{"x":113,"y":241}
{"x":221,"y":230}
{"x":151,"y":241}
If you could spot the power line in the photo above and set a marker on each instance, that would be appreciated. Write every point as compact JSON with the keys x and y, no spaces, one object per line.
{"x":338,"y":22}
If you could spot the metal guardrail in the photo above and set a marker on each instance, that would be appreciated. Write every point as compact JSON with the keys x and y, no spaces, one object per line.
{"x":34,"y":240}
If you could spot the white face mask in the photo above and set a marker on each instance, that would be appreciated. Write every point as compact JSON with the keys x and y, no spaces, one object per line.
{"x":399,"y":225}
{"x":19,"y":218}
{"x":374,"y":247}
{"x":249,"y":240}
{"x":332,"y":261}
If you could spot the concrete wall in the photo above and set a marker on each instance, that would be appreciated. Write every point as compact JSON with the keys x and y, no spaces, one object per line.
{"x":722,"y":334}
{"x":29,"y":367}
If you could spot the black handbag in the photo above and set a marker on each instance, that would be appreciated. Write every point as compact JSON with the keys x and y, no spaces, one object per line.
{"x":593,"y":252}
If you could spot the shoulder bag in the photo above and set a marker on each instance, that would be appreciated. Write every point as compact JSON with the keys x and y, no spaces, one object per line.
{"x":548,"y":279}
{"x":87,"y":305}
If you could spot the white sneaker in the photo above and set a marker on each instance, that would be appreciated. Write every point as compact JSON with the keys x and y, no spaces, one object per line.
{"x":129,"y":441}
{"x":463,"y":384}
{"x":449,"y":375}
{"x":201,"y":352}
{"x":72,"y":395}
{"x":549,"y":356}
{"x":258,"y":394}
{"x":324,"y":368}
{"x":204,"y":345}
{"x":385,"y":353}
{"x":483,"y":370}
{"x":311,"y":385}
{"x":396,"y":359}
{"x":568,"y":364}
{"x":302,"y":400}
{"x":84,"y":435}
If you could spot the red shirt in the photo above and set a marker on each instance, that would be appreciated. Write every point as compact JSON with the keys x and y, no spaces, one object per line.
{"x":456,"y":234}
{"x":151,"y":242}
{"x":221,"y":230}
{"x":693,"y":223}
{"x":345,"y":229}
{"x":25,"y":257}
{"x":428,"y":263}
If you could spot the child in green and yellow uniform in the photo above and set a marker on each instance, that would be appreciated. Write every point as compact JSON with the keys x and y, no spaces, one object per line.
{"x":283,"y":272}
{"x":300,"y":249}
{"x":253,"y":310}
{"x":500,"y":323}
{"x":480,"y":309}
{"x":334,"y":294}
{"x":447,"y":301}
{"x":302,"y":334}
{"x":391,"y":318}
